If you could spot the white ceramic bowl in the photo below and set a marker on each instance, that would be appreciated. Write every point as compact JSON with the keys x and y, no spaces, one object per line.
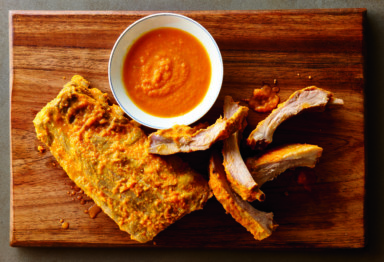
{"x":128,"y":38}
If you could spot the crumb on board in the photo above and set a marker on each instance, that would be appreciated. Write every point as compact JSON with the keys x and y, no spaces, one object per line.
{"x":41,"y":149}
{"x":94,"y":210}
{"x":64,"y":225}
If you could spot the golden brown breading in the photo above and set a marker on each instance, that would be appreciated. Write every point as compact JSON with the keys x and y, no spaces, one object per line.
{"x":106,"y":155}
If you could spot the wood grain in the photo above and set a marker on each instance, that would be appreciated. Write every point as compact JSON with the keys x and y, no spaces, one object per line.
{"x":297,"y":48}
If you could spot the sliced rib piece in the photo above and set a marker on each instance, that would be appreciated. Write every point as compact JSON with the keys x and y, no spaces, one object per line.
{"x":308,"y":98}
{"x":106,"y":155}
{"x":274,"y":162}
{"x":182,"y":138}
{"x":237,"y":172}
{"x":259,"y":223}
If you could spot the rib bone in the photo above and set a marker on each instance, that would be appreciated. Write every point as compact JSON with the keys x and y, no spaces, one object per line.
{"x":181,"y":138}
{"x":274,"y":162}
{"x":259,"y":223}
{"x":237,"y":172}
{"x":308,"y":98}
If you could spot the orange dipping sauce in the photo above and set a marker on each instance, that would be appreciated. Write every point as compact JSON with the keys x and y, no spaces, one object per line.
{"x":167,"y":72}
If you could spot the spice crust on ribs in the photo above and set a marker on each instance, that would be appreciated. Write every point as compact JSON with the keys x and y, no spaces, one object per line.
{"x":107,"y":156}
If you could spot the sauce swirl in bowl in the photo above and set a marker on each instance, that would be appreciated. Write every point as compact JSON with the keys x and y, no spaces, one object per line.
{"x":164,"y":67}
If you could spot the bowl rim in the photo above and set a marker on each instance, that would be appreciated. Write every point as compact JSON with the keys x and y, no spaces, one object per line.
{"x":220,"y":66}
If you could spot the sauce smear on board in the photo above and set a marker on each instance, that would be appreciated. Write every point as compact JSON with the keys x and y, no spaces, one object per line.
{"x":167,"y":72}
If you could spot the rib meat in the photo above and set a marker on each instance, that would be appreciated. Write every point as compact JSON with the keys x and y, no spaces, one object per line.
{"x":307,"y":98}
{"x":106,"y":155}
{"x":274,"y":162}
{"x":259,"y":223}
{"x":237,"y":172}
{"x":182,"y":138}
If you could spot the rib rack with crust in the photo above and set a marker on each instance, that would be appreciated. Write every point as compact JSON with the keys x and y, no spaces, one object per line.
{"x":107,"y":156}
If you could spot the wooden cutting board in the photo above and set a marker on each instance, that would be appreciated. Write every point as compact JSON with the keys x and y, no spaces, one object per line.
{"x":289,"y":49}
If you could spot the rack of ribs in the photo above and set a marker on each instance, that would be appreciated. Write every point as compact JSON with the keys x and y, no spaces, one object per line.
{"x":107,"y":156}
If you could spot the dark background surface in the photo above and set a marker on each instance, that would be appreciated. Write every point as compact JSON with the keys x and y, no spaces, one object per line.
{"x":374,"y":92}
